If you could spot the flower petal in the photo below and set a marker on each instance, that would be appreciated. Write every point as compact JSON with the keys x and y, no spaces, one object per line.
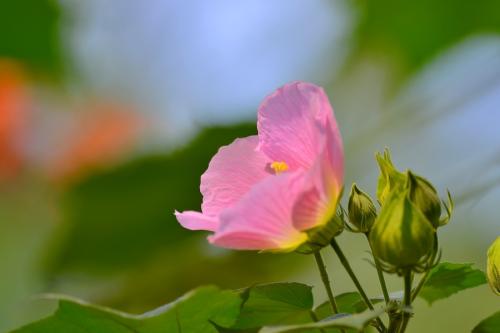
{"x":311,"y":210}
{"x":243,"y":240}
{"x":331,"y":161}
{"x":231,"y":173}
{"x":291,"y":123}
{"x":196,"y":221}
{"x":262,"y":219}
{"x":317,"y":205}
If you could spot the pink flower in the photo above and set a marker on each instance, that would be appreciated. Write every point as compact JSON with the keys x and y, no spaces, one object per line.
{"x":263,"y":192}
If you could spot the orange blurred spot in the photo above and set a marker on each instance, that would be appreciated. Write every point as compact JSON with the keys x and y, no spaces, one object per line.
{"x":99,"y":137}
{"x":14,"y":114}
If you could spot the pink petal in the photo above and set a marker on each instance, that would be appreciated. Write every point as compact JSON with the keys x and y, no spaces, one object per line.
{"x":243,"y":240}
{"x":315,"y":206}
{"x":331,"y":162}
{"x":231,"y":173}
{"x":262,"y":219}
{"x":196,"y":221}
{"x":312,"y":209}
{"x":292,"y":122}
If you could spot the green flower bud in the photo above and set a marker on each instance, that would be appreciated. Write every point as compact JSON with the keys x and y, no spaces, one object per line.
{"x":493,"y":266}
{"x":402,"y":238}
{"x":361,"y":210}
{"x":425,"y":197}
{"x":390,"y":178}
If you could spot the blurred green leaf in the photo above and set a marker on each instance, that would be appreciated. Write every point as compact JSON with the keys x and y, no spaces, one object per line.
{"x":489,"y":325}
{"x":117,"y":218}
{"x":30,"y":33}
{"x":356,"y":321}
{"x":447,"y":279}
{"x":416,"y":31}
{"x":26,"y":223}
{"x":277,"y":303}
{"x":193,"y":313}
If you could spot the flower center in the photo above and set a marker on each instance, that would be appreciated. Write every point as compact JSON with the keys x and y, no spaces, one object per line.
{"x":279,"y":167}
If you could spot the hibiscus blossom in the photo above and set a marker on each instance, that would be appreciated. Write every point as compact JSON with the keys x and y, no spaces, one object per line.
{"x":265,"y":192}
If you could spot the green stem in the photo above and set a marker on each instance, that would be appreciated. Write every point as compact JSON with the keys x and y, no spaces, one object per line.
{"x":394,"y":324}
{"x":421,"y":283}
{"x":380,"y":274}
{"x":347,"y":267}
{"x":326,"y":281}
{"x":407,"y":301}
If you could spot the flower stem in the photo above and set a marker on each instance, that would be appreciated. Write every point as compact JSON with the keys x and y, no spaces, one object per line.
{"x":407,"y":301}
{"x":347,"y":267}
{"x":421,"y":283}
{"x":394,"y":324}
{"x":326,"y":281}
{"x":380,"y":274}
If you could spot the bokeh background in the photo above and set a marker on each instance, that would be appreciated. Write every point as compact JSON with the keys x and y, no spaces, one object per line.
{"x":111,"y":110}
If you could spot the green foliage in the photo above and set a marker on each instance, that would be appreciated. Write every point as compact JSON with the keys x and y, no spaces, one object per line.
{"x":447,"y":279}
{"x":355,"y":322}
{"x":209,"y":309}
{"x":196,"y":312}
{"x":416,"y":31}
{"x":283,"y":303}
{"x":117,"y":218}
{"x":29,"y":32}
{"x":350,"y":302}
{"x":489,"y":325}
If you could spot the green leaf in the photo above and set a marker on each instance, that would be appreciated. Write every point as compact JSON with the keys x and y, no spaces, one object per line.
{"x":351,"y":302}
{"x":356,"y":321}
{"x":277,"y":303}
{"x":488,"y":325}
{"x":195,"y":312}
{"x":447,"y":279}
{"x":346,"y":303}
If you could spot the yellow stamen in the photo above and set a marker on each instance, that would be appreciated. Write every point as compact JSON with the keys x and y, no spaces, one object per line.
{"x":279,"y":167}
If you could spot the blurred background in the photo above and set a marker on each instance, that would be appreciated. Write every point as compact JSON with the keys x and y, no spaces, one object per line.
{"x":111,"y":110}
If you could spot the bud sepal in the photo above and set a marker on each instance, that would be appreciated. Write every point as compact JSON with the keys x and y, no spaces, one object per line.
{"x":423,"y":195}
{"x":390,"y":178}
{"x":321,"y":236}
{"x":493,"y":266}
